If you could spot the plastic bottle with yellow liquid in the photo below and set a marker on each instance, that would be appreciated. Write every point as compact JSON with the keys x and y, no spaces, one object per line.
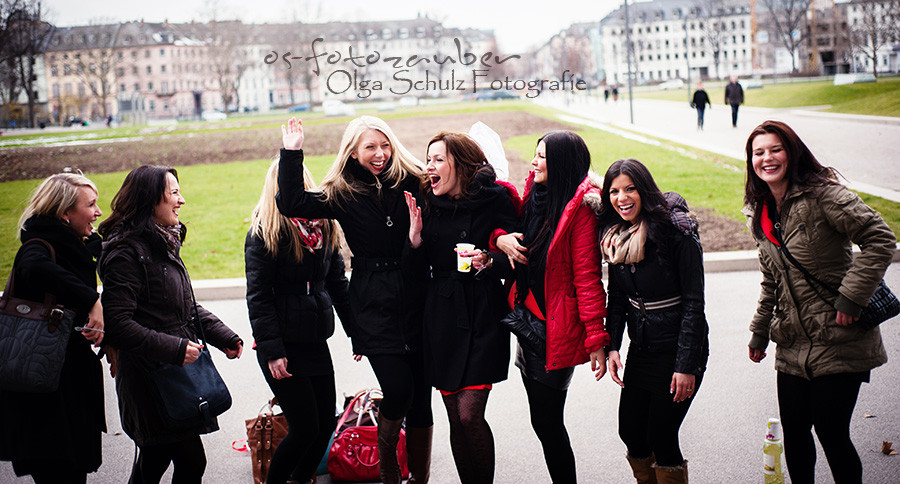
{"x":773,"y":449}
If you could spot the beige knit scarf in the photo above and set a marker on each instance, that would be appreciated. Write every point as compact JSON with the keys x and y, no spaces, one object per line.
{"x":624,"y":243}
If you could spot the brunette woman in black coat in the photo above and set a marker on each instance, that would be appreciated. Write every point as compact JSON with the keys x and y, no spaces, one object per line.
{"x":62,"y":444}
{"x":364,"y":192}
{"x":466,"y":349}
{"x":295,"y":273}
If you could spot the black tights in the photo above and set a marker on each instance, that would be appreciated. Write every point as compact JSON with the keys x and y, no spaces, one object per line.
{"x":547,"y":406}
{"x":187,"y":456}
{"x":470,"y":436}
{"x":308,"y":405}
{"x":58,"y":474}
{"x":406,"y":393}
{"x":825,"y":403}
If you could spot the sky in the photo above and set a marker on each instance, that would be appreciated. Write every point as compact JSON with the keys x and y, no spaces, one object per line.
{"x":517,"y":26}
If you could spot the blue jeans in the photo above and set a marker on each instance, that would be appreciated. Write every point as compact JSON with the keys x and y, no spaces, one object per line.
{"x":700,"y":112}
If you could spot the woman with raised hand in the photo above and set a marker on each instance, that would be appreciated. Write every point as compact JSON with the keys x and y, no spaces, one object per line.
{"x":295,"y":273}
{"x":466,"y":349}
{"x":802,"y":217}
{"x":558,"y":279}
{"x":655,"y":263}
{"x":70,"y":419}
{"x":152,"y":318}
{"x":364,"y":192}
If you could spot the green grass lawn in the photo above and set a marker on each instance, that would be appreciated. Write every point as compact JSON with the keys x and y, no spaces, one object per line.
{"x":880,"y":98}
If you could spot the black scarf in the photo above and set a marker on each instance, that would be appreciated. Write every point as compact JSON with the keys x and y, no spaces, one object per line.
{"x":531,"y":277}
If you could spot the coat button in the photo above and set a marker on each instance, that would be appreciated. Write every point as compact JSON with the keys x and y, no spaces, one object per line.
{"x":462,"y":235}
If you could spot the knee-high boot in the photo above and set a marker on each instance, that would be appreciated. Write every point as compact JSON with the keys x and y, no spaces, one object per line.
{"x":672,"y":475}
{"x":418,"y":454}
{"x":642,"y":469}
{"x":388,"y":437}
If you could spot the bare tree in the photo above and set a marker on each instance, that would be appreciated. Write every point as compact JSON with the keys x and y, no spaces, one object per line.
{"x":23,"y":36}
{"x":228,"y":58}
{"x":788,"y":18}
{"x":877,"y":27}
{"x":712,"y":14}
{"x":98,"y":69}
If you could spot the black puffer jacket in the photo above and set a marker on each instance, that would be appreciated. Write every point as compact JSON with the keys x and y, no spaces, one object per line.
{"x":385,"y":299}
{"x":149,"y":311}
{"x":72,"y":417}
{"x":682,"y":328}
{"x":290,"y":301}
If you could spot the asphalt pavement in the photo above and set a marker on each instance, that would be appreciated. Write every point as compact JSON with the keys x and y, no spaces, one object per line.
{"x":722,"y":436}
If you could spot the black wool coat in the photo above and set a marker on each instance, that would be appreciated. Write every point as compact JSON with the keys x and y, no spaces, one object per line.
{"x":290,"y":301}
{"x":464,"y":342}
{"x":61,"y":428}
{"x":149,"y":312}
{"x":385,"y":299}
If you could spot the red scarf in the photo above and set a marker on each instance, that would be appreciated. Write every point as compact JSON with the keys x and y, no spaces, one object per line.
{"x":310,"y":232}
{"x":767,"y":224}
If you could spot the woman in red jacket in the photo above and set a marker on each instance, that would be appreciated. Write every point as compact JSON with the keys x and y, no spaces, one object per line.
{"x":558,"y":234}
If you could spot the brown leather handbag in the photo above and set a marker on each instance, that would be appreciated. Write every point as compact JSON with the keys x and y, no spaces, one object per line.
{"x":264,"y":433}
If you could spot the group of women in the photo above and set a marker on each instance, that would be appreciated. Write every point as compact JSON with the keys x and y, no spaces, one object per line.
{"x":424,"y":324}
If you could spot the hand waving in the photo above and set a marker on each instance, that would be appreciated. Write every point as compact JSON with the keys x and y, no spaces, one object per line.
{"x":292,"y":134}
{"x":415,"y":220}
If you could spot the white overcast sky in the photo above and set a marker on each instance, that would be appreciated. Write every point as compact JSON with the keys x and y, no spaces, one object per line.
{"x":517,"y":25}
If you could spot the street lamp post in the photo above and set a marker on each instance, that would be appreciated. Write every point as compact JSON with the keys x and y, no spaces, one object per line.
{"x":687,"y":57}
{"x":628,"y":54}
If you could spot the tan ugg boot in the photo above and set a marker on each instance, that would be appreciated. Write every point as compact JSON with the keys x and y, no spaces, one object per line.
{"x":672,"y":475}
{"x":642,"y":469}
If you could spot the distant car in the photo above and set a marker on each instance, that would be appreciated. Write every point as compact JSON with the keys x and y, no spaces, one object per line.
{"x":672,"y":84}
{"x":334,"y":107}
{"x":298,"y":108}
{"x":409,"y":101}
{"x":212,"y":115}
{"x":494,"y":94}
{"x":76,"y":121}
{"x":750,"y":84}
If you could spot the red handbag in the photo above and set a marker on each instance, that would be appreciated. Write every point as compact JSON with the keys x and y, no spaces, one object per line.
{"x":353,"y":456}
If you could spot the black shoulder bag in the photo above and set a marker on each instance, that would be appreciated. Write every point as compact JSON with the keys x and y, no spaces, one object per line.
{"x":882,"y":306}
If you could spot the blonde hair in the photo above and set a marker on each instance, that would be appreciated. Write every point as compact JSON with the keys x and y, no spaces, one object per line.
{"x":338,"y":186}
{"x":55,"y":196}
{"x":268,"y":224}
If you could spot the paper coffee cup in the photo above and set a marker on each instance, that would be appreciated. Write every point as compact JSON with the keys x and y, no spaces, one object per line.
{"x":464,"y":264}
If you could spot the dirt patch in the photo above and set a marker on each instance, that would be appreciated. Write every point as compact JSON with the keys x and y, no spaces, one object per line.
{"x":249,"y":143}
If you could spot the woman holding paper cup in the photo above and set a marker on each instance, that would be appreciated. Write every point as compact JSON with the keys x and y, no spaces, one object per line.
{"x":466,"y":350}
{"x":558,"y":279}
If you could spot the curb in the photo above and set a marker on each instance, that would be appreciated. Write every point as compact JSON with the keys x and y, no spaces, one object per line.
{"x":732,"y":261}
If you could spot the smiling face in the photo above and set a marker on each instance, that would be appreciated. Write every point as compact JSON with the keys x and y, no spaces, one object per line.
{"x":539,"y":162}
{"x":85,"y":212}
{"x":770,"y":162}
{"x":165,"y":212}
{"x":625,"y":199}
{"x":442,"y":170}
{"x":372,"y":151}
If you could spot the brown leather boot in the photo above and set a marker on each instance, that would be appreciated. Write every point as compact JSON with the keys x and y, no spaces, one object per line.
{"x":642,"y":469}
{"x":418,"y":454}
{"x":388,"y":437}
{"x":672,"y":475}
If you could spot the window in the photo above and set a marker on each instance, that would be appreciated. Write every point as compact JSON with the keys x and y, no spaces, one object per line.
{"x":68,"y":88}
{"x":149,"y":86}
{"x":137,"y":87}
{"x":122,"y":87}
{"x":149,"y":70}
{"x":120,"y":71}
{"x":162,"y":52}
{"x":134,"y":70}
{"x":134,"y":54}
{"x":164,"y":86}
{"x":162,"y":68}
{"x":54,"y":71}
{"x":56,"y":90}
{"x":147,"y":53}
{"x":152,"y":105}
{"x":67,"y":69}
{"x":80,"y":90}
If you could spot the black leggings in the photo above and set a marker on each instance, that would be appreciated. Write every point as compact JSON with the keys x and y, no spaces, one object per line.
{"x":58,"y":474}
{"x":546,"y":406}
{"x":187,"y":455}
{"x":308,"y":404}
{"x":649,"y":422}
{"x":406,"y":393}
{"x":471,"y":439}
{"x":825,"y":403}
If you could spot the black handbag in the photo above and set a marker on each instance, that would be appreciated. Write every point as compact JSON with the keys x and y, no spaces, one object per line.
{"x":882,"y":306}
{"x":33,"y":339}
{"x":191,"y":395}
{"x":530,"y":330}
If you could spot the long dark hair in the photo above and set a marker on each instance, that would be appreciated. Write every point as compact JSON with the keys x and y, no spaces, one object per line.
{"x":804,"y":169}
{"x":654,"y":211}
{"x":132,"y":207}
{"x":568,"y":162}
{"x":468,"y":159}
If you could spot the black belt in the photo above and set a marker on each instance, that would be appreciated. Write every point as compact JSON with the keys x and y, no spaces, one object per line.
{"x":308,"y":287}
{"x":375,"y":264}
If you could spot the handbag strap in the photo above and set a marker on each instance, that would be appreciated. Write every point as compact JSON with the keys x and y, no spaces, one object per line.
{"x":366,"y":406}
{"x":49,"y":299}
{"x":810,"y":278}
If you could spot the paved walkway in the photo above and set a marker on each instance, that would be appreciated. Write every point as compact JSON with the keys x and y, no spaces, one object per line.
{"x":864,"y":149}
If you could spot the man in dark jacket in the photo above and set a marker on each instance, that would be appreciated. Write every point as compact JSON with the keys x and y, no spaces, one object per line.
{"x":699,"y":102}
{"x":734,"y":95}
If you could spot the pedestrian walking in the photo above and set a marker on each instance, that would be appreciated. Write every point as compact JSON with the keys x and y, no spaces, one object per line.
{"x":804,"y":221}
{"x":557,"y":272}
{"x":734,"y":96}
{"x":364,"y":192}
{"x":466,"y":349}
{"x":699,"y":102}
{"x":655,"y":263}
{"x":295,"y":275}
